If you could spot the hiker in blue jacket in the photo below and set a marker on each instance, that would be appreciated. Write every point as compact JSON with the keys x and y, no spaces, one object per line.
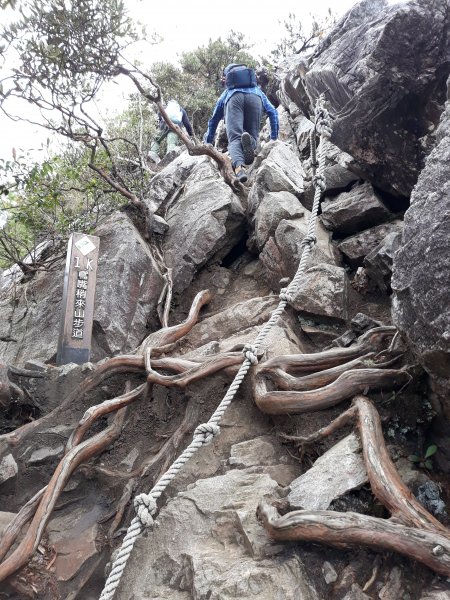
{"x":242,"y":104}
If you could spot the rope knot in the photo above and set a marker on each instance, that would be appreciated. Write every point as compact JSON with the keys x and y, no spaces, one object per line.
{"x":206,"y":432}
{"x":145,"y":507}
{"x":319,"y":182}
{"x":324,"y":126}
{"x":309,"y":240}
{"x":251,"y":353}
{"x":285,"y":295}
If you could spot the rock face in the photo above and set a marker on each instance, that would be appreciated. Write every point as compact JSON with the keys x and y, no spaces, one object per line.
{"x":206,"y":222}
{"x":30,"y":321}
{"x":385,"y":91}
{"x":421,"y":270}
{"x":354,"y":210}
{"x":167,"y":184}
{"x":209,"y":545}
{"x":323,"y":483}
{"x":123,"y":311}
{"x":382,"y":67}
{"x":322,"y":293}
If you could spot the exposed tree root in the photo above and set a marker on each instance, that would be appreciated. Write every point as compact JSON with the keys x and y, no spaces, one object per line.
{"x":372,"y":341}
{"x":208,"y":366}
{"x":8,"y":389}
{"x":42,"y":504}
{"x":20,"y":556}
{"x":345,"y":386}
{"x":316,"y":380}
{"x":344,"y":530}
{"x":338,"y":373}
{"x":334,"y":375}
{"x":159,"y":341}
{"x":100,"y":410}
{"x":411,"y":530}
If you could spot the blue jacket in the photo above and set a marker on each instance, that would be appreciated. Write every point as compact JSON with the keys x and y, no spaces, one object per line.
{"x":219,"y":111}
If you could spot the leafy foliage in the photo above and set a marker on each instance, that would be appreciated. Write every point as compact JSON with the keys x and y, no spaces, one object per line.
{"x":425,"y":460}
{"x":47,"y":201}
{"x":67,"y":47}
{"x":297,"y":40}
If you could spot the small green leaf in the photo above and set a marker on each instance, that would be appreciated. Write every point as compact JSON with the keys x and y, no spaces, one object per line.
{"x":428,"y":464}
{"x":414,"y":458}
{"x":431,"y":450}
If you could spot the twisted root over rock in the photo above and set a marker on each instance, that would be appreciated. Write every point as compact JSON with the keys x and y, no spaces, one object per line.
{"x":411,"y":530}
{"x":331,"y":376}
{"x":338,"y":375}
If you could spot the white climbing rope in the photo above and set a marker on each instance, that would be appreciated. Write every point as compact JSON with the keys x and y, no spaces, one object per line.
{"x":145,"y":504}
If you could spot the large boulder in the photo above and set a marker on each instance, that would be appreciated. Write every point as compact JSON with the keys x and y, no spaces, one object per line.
{"x":274,"y":207}
{"x":322,"y":294}
{"x":278,"y":169}
{"x":283,"y":250}
{"x":166,"y":184}
{"x":129,"y":282}
{"x":352,"y":211}
{"x":378,"y":264}
{"x":205,"y":222}
{"x":323,"y":482}
{"x":386,"y":92}
{"x":356,"y":247}
{"x":421,"y":269}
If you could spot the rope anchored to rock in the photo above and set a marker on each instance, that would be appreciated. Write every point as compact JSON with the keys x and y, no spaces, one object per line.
{"x":145,"y":504}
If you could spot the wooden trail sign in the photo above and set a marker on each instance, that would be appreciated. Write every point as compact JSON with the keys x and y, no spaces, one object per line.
{"x":75,"y":332}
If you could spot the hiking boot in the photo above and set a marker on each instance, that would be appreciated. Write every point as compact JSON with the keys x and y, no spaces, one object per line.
{"x":241,"y":173}
{"x":247,"y":148}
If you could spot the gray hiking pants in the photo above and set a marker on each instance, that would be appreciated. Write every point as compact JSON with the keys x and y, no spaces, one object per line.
{"x":243,"y":113}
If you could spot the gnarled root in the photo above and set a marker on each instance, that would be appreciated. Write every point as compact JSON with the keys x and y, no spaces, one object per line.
{"x":334,"y":375}
{"x":40,"y":507}
{"x":372,"y":341}
{"x":412,"y":530}
{"x":344,"y":530}
{"x":345,"y":386}
{"x":208,"y":366}
{"x":159,"y":341}
{"x":21,"y":555}
{"x":8,"y":389}
{"x":162,"y":340}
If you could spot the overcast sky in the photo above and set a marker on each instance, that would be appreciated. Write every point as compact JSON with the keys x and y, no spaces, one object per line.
{"x":184,"y":25}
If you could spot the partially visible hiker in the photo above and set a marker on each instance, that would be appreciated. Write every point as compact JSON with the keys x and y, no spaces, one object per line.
{"x":242,"y":104}
{"x":177,"y":115}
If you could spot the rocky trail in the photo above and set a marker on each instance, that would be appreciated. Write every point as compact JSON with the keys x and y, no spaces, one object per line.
{"x":320,"y":481}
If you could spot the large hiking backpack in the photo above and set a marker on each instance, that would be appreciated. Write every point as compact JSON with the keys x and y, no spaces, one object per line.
{"x":240,"y":76}
{"x":174,"y":112}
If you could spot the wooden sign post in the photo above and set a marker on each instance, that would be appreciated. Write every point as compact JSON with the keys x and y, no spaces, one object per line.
{"x":74,"y":343}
